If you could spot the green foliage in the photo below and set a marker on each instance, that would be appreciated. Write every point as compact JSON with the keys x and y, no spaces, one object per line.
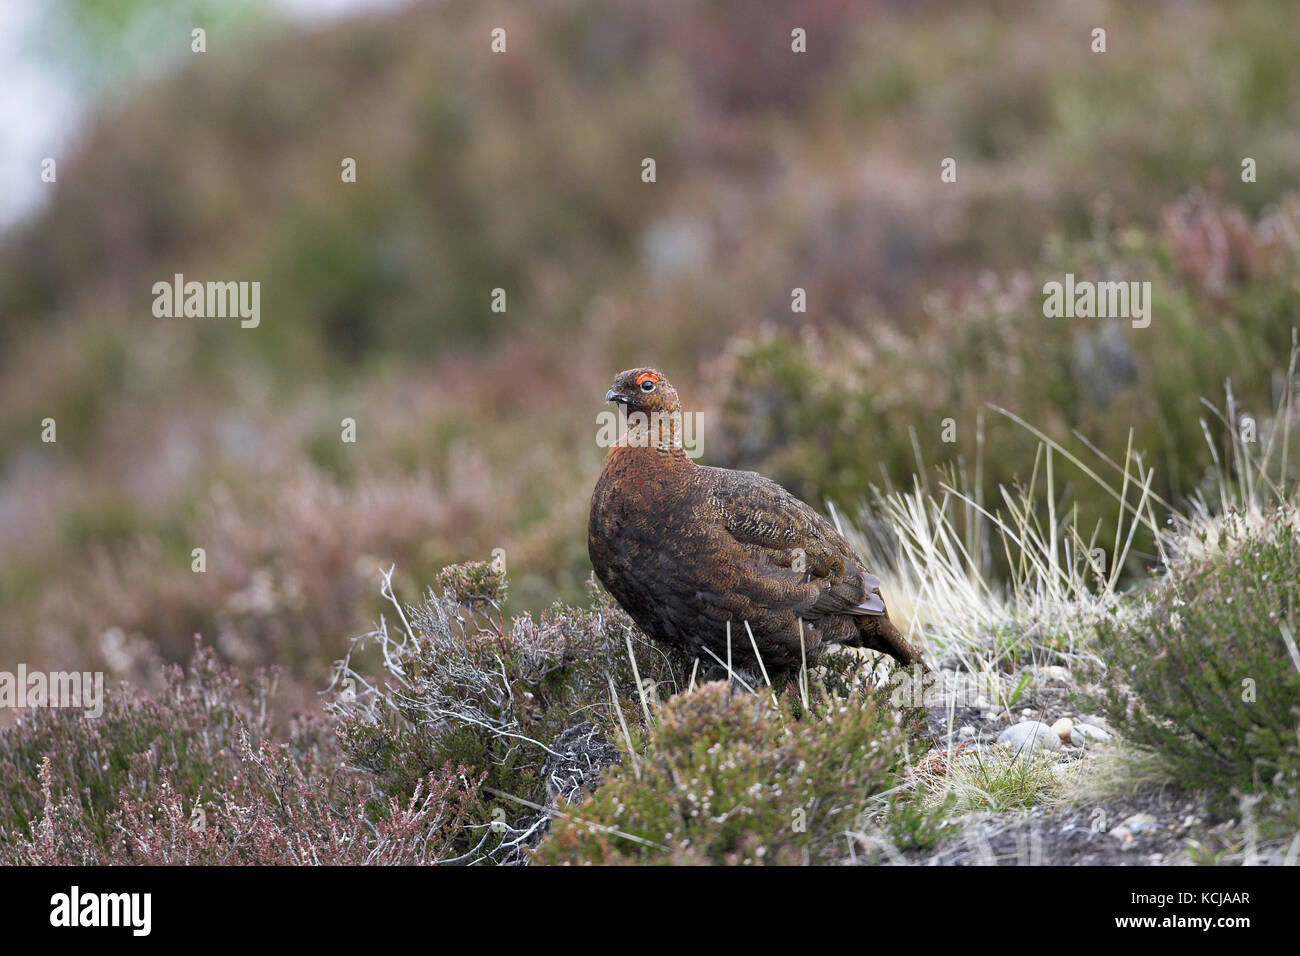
{"x":913,"y":824}
{"x":998,"y":780}
{"x":1206,"y":673}
{"x":474,"y":582}
{"x":731,"y":777}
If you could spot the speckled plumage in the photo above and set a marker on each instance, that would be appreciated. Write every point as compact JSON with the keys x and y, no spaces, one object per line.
{"x":685,"y":548}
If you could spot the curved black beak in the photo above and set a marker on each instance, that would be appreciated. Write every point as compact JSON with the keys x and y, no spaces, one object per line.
{"x":614,"y":395}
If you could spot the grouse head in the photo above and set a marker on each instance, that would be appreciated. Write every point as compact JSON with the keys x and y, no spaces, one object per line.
{"x":644,"y":390}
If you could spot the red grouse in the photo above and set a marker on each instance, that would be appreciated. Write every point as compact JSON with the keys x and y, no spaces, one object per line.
{"x":686,"y":548}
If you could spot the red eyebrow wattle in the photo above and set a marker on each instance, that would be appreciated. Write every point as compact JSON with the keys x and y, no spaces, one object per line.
{"x":647,"y":377}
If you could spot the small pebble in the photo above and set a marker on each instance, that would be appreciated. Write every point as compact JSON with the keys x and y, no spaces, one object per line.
{"x":1062,"y":729}
{"x":1140,"y":823}
{"x":1094,"y":720}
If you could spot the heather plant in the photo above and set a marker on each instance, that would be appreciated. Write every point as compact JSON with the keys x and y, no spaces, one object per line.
{"x":191,"y":731}
{"x":732,"y":777}
{"x":280,"y":573}
{"x":1205,"y":672}
{"x":1201,"y":667}
{"x":529,"y":708}
{"x":196,"y":774}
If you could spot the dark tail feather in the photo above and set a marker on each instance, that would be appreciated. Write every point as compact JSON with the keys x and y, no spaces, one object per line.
{"x":880,"y":634}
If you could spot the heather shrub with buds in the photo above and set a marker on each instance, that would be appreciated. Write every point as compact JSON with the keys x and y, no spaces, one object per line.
{"x":1206,"y":673}
{"x":528,"y":708}
{"x":196,"y":775}
{"x":732,"y":777}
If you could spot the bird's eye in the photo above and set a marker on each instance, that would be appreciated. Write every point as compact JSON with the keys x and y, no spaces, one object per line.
{"x":647,"y":386}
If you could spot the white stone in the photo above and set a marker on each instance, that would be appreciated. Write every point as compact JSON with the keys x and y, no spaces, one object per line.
{"x":1028,"y":736}
{"x":1140,"y":823}
{"x":1086,"y":735}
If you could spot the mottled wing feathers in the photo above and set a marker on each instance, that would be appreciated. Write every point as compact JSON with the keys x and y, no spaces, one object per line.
{"x":775,"y":529}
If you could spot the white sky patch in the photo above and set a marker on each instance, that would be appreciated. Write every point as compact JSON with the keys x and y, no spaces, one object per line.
{"x":38,"y":111}
{"x":42,"y":107}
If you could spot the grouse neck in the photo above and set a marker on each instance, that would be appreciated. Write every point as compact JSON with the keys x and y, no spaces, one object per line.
{"x":660,"y":430}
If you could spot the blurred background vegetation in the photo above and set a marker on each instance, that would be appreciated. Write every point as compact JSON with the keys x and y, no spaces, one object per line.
{"x":476,"y":429}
